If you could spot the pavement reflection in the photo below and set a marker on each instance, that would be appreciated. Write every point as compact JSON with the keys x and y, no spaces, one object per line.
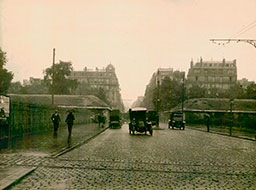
{"x":48,"y":143}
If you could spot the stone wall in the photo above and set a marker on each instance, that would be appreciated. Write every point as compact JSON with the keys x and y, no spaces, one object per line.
{"x":31,"y":119}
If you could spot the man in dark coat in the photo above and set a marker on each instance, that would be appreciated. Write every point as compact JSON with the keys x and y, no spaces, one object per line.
{"x":55,"y":120}
{"x":70,"y":121}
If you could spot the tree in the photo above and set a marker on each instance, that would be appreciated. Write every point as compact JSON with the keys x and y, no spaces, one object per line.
{"x":15,"y":88}
{"x":195,"y":91}
{"x":56,"y":78}
{"x":251,"y":91}
{"x":5,"y":76}
{"x":170,"y":93}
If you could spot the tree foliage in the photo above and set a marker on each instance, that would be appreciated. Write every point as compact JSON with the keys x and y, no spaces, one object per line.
{"x":5,"y":76}
{"x":195,"y":91}
{"x":170,"y":94}
{"x":56,"y":78}
{"x":251,"y":91}
{"x":33,"y":88}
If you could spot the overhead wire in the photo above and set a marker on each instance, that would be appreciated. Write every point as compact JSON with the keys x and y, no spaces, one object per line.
{"x":244,"y":29}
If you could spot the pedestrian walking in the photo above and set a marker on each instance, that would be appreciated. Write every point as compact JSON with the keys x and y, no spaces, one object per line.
{"x":70,"y":121}
{"x":103,"y":120}
{"x":2,"y":113}
{"x":55,"y":120}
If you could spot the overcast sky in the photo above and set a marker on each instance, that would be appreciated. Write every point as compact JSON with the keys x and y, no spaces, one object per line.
{"x":136,"y":36}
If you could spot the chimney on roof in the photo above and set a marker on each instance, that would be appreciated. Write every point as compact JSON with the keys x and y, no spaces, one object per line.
{"x":223,"y":61}
{"x":201,"y":60}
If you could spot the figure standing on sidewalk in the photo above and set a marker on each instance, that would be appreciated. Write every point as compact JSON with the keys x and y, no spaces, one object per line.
{"x":207,"y":122}
{"x":55,"y":120}
{"x":2,"y":113}
{"x":70,"y":121}
{"x":99,"y":119}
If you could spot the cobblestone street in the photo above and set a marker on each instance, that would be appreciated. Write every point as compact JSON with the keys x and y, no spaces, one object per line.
{"x":170,"y":159}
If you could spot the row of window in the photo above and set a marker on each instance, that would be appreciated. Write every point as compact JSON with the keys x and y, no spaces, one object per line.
{"x":213,"y":79}
{"x":220,"y":65}
{"x":215,"y":71}
{"x":88,"y":74}
{"x":99,"y":81}
{"x":219,"y":86}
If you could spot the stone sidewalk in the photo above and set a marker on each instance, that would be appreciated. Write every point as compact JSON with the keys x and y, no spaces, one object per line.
{"x":21,"y":156}
{"x":225,"y":131}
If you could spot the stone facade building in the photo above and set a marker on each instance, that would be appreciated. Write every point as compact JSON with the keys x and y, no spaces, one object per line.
{"x":213,"y":74}
{"x":100,"y":78}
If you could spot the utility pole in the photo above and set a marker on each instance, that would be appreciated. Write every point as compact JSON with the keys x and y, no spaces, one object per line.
{"x":224,"y":41}
{"x":158,"y":96}
{"x":53,"y":63}
{"x":183,"y":92}
{"x":231,"y":115}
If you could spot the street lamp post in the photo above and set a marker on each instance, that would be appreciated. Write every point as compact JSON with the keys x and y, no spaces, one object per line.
{"x":53,"y":63}
{"x":183,"y":92}
{"x":231,"y":115}
{"x":158,"y":96}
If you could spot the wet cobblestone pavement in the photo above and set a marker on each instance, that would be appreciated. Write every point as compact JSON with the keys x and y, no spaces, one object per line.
{"x":170,"y":159}
{"x":46,"y":143}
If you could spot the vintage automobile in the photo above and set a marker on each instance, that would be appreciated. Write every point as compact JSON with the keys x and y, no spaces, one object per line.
{"x":115,"y":120}
{"x":138,"y":121}
{"x":153,"y":117}
{"x":177,"y":120}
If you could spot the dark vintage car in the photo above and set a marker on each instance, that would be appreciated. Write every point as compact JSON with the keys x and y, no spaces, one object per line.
{"x":138,"y":121}
{"x":115,"y":120}
{"x":177,"y":120}
{"x":153,"y":117}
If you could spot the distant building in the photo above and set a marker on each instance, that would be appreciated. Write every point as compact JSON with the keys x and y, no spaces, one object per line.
{"x":31,"y":81}
{"x":26,"y":82}
{"x":213,"y":74}
{"x":100,"y":78}
{"x":138,"y":102}
{"x":157,"y":78}
{"x":244,"y":83}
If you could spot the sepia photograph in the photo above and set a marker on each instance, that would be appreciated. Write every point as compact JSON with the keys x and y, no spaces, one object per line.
{"x":128,"y":94}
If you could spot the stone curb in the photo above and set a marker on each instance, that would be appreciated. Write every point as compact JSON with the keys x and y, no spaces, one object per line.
{"x":12,"y":183}
{"x":218,"y":133}
{"x":65,"y":150}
